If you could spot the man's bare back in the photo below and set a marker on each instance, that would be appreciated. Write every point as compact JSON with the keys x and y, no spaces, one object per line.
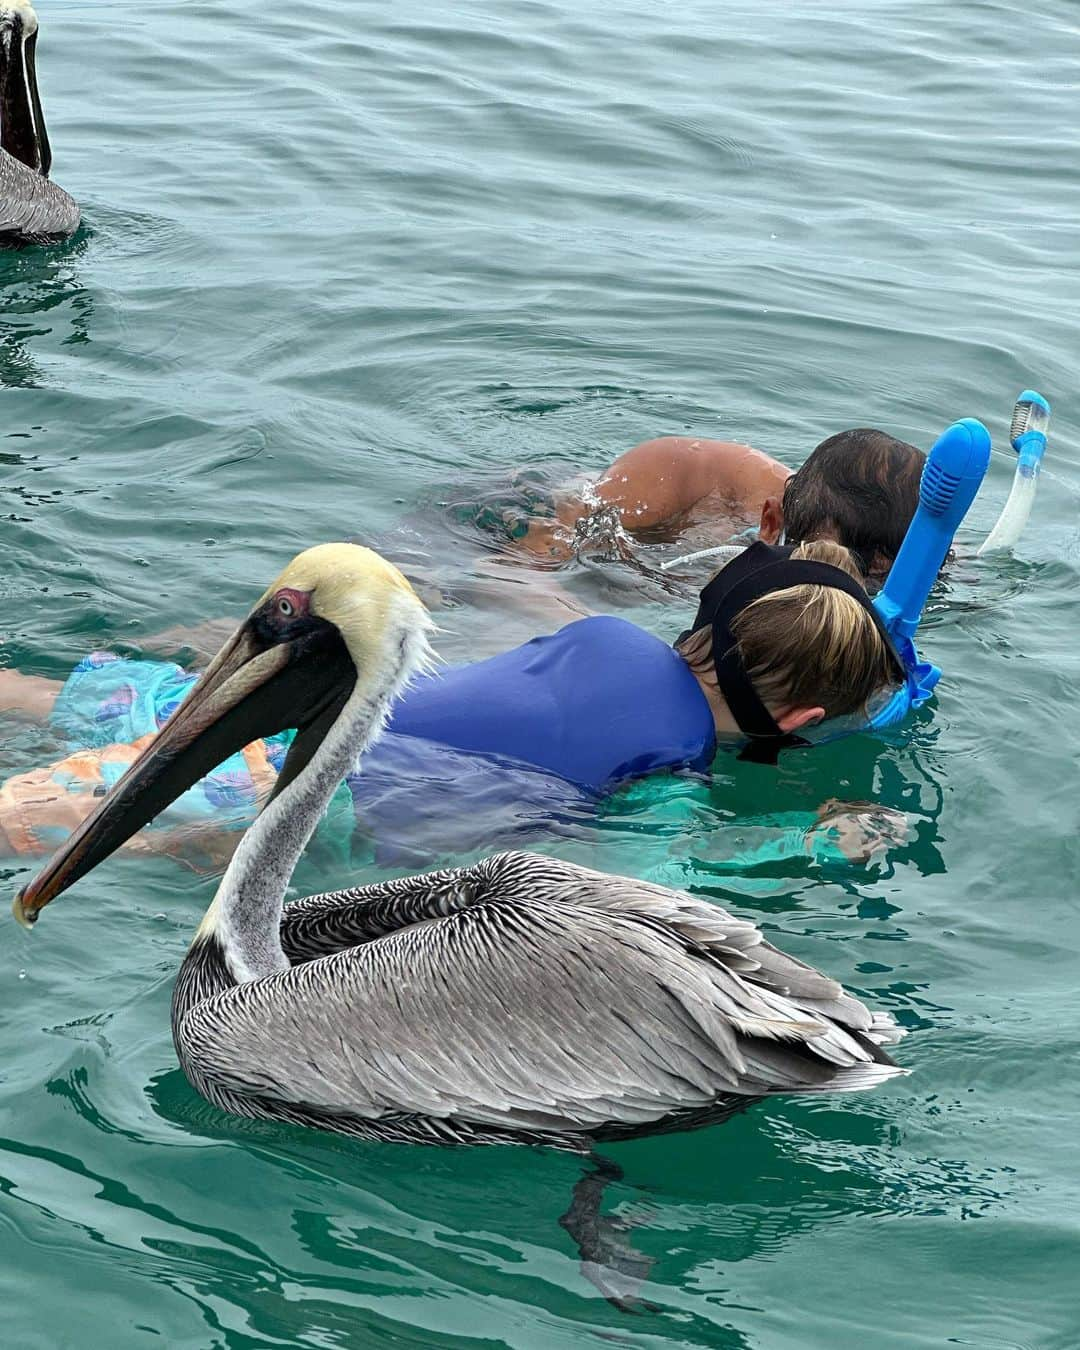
{"x":675,"y":481}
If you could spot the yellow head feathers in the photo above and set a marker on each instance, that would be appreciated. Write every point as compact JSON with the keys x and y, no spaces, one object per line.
{"x":333,"y":569}
{"x":20,"y":9}
{"x":356,"y":590}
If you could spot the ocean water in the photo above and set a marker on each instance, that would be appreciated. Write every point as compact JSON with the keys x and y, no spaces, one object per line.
{"x":348,"y":268}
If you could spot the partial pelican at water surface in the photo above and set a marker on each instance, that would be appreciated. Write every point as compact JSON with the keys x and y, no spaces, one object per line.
{"x":33,"y":210}
{"x":518,"y":1000}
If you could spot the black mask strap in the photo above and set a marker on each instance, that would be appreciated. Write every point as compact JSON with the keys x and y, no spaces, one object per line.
{"x":761,"y":570}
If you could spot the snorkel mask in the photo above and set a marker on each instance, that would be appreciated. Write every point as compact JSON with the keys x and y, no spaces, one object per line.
{"x":761,"y":570}
{"x":954,"y":469}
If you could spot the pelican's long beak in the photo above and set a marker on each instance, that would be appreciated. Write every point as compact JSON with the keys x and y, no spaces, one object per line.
{"x":22,"y":123}
{"x":253,"y":688}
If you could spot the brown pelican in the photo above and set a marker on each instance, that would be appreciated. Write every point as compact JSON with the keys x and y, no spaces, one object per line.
{"x":518,"y":1000}
{"x":32,"y":209}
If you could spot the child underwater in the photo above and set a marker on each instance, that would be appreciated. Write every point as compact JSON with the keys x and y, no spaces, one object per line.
{"x":785,"y":638}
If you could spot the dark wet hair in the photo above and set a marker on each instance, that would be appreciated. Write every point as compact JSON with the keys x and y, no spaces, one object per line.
{"x":862,"y":486}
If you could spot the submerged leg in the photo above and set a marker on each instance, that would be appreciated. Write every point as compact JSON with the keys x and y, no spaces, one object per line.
{"x":607,"y":1261}
{"x":32,"y":696}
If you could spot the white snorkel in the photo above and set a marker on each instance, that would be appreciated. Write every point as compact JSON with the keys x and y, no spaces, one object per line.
{"x":1030,"y":419}
{"x":724,"y":551}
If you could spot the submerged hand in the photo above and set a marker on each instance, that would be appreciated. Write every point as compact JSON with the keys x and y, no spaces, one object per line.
{"x":861,"y":831}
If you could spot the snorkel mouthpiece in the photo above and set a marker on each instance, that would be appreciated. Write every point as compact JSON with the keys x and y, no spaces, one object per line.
{"x":1027,"y":434}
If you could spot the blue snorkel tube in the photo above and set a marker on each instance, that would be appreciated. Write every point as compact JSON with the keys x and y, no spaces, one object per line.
{"x":951,"y":477}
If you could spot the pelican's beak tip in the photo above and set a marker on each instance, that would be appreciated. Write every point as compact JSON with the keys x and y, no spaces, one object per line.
{"x":26,"y":917}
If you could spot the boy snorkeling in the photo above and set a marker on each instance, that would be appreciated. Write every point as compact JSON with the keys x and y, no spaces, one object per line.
{"x":784,"y":638}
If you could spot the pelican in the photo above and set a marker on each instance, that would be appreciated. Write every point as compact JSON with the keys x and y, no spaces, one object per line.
{"x":33,"y":210}
{"x":517,"y":1000}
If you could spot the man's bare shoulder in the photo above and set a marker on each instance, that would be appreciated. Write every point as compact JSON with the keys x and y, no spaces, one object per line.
{"x":698,"y":467}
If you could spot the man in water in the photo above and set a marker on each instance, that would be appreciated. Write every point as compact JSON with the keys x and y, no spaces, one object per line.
{"x":859,"y":488}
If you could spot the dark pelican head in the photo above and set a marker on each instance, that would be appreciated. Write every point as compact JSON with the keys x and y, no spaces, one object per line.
{"x":340,"y":627}
{"x":22,"y":123}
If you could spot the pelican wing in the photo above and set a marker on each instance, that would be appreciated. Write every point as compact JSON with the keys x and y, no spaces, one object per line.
{"x":335,"y":920}
{"x":33,"y":208}
{"x":550,"y":998}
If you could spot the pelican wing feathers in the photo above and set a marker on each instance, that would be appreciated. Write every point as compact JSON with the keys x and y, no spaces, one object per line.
{"x":33,"y":209}
{"x":529,"y":994}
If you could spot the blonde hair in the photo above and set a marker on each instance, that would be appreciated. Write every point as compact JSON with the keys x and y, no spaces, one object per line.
{"x":806,"y":646}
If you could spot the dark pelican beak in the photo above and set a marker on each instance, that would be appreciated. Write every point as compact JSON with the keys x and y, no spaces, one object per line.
{"x":22,"y":123}
{"x":272,"y":675}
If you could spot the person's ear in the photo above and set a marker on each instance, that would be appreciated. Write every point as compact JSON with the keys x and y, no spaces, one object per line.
{"x":772,"y":521}
{"x":880,"y":566}
{"x":794,"y":719}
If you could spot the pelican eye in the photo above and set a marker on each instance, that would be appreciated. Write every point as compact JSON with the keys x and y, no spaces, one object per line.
{"x":285,"y":616}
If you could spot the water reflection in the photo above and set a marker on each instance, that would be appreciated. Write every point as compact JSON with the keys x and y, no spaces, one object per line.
{"x":34,"y":283}
{"x":415,"y":1236}
{"x":599,"y":563}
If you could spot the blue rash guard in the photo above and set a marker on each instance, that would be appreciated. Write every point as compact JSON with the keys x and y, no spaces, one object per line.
{"x":598,"y":702}
{"x":473,"y":755}
{"x":491,"y":754}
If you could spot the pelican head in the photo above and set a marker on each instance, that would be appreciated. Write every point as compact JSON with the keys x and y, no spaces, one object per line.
{"x":339,"y":628}
{"x":22,"y":123}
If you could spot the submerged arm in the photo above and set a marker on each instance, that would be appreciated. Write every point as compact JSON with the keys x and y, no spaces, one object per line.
{"x":839,"y":832}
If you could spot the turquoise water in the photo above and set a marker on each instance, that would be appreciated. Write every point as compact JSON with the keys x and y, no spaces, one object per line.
{"x":344,"y":266}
